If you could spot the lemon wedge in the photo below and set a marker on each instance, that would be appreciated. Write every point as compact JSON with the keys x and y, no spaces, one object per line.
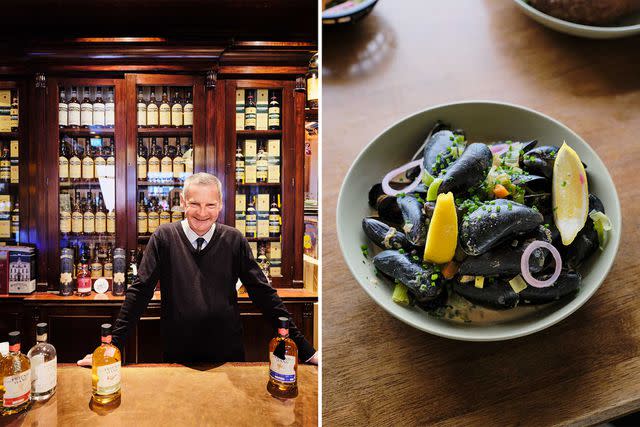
{"x":442,"y":236}
{"x":570,"y":194}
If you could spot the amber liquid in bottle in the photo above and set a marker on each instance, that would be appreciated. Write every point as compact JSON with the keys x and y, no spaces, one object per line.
{"x":105,"y":370}
{"x":283,"y":363}
{"x":15,"y":374}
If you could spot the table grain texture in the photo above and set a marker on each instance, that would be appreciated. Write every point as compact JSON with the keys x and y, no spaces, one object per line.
{"x":407,"y":56}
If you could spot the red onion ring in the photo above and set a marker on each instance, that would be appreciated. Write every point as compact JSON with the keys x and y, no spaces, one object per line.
{"x":524,"y":264}
{"x":388,"y":177}
{"x":498,"y":148}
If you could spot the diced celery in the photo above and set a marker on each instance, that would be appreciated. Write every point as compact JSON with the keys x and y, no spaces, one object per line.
{"x":517,"y":284}
{"x":432,"y":194}
{"x":479,"y":282}
{"x":400,"y":294}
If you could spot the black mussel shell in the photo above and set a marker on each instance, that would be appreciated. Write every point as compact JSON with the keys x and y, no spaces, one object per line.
{"x":540,"y":160}
{"x":437,"y":148}
{"x":388,"y":210}
{"x":414,"y":219}
{"x":374,"y":194}
{"x":384,"y":236}
{"x":567,"y":283}
{"x":496,"y":294}
{"x":494,"y":222}
{"x":418,"y":279}
{"x":469,"y":170}
{"x":434,"y":304}
{"x":586,"y":241}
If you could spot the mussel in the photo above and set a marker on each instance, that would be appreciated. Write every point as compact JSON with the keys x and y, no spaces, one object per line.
{"x":586,"y":242}
{"x":540,"y":160}
{"x":494,"y":222}
{"x":422,"y":280}
{"x":495,"y":294}
{"x":384,"y":236}
{"x":387,"y":206}
{"x":504,"y":260}
{"x":438,"y":151}
{"x":469,"y":170}
{"x":414,"y":219}
{"x":567,"y":283}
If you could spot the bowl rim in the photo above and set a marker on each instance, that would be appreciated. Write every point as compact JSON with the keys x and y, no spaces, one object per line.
{"x":617,"y":29}
{"x":548,"y":320}
{"x":349,"y":12}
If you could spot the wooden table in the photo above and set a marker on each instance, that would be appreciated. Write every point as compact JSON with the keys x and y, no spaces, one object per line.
{"x":173,"y":395}
{"x":404,"y":58}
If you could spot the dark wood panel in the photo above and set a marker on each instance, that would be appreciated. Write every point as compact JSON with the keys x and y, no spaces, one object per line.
{"x":75,"y":335}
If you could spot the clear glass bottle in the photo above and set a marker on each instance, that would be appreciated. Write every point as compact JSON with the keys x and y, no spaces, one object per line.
{"x":283,"y":363}
{"x":105,"y":369}
{"x":44,"y":365}
{"x":15,"y":372}
{"x":63,"y":110}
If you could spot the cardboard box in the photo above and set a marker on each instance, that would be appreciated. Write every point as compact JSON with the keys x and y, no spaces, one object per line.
{"x":273,"y":160}
{"x":22,"y":269}
{"x":241,"y":213}
{"x":262,"y":107}
{"x":262,"y":211}
{"x":250,"y":154}
{"x":239,"y":109}
{"x":5,"y":98}
{"x":275,"y":258}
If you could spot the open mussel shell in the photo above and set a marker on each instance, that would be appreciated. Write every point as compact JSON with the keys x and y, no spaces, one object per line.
{"x":496,"y":294}
{"x":540,"y":160}
{"x":494,"y":222}
{"x":504,"y":260}
{"x":567,"y":284}
{"x":469,"y":170}
{"x":384,"y":236}
{"x":387,"y":206}
{"x":437,"y":150}
{"x":586,"y":242}
{"x":414,"y":276}
{"x":414,"y":225}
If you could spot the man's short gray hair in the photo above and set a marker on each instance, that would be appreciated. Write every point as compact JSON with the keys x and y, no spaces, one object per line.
{"x":201,"y":178}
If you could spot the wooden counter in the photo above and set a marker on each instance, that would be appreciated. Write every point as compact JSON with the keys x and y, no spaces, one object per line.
{"x":402,"y":59}
{"x":158,"y":395}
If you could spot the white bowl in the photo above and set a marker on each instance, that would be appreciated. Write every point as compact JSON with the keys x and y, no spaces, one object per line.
{"x":482,"y":121}
{"x":628,"y":27}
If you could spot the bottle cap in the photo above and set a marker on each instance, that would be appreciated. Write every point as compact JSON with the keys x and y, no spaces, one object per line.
{"x":106,"y":329}
{"x":283,"y":322}
{"x":14,"y":338}
{"x":41,"y":328}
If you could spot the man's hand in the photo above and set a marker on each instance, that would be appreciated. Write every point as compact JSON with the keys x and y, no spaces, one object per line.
{"x":87,"y":361}
{"x":314,"y":359}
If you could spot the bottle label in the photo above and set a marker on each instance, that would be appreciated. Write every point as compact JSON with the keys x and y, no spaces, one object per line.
{"x":17,"y":389}
{"x":282,"y":370}
{"x":75,"y":168}
{"x":165,"y":115}
{"x":86,"y":114}
{"x":154,"y":220}
{"x":63,"y":114}
{"x":74,"y":114}
{"x":109,"y":114}
{"x":111,"y":222}
{"x":87,"y":168}
{"x":63,"y":167}
{"x":154,"y":164}
{"x":250,"y":117}
{"x":274,"y":116}
{"x":108,"y":377}
{"x":142,"y":223}
{"x":152,"y":115}
{"x":166,"y":165}
{"x":178,"y":167}
{"x":188,"y":115}
{"x":89,"y":222}
{"x":142,"y":114}
{"x":108,"y":270}
{"x":101,"y":222}
{"x":111,"y":161}
{"x":43,"y":374}
{"x":76,"y":222}
{"x":176,"y":115}
{"x":84,"y":285}
{"x":176,"y":216}
{"x":96,"y":270}
{"x":65,"y":222}
{"x":142,"y":167}
{"x":165,"y":217}
{"x":98,"y":114}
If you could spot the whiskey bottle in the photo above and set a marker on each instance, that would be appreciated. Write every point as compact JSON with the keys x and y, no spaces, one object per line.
{"x":98,"y":109}
{"x":176,"y":209}
{"x":166,"y":164}
{"x":5,"y":164}
{"x":96,"y":265}
{"x":65,"y":219}
{"x":111,"y":221}
{"x":274,"y":219}
{"x":153,"y":215}
{"x":250,"y":112}
{"x":283,"y":363}
{"x":74,"y":109}
{"x":142,"y":110}
{"x":15,"y":372}
{"x":89,"y":217}
{"x":88,"y":166}
{"x":153,"y":164}
{"x":152,"y":110}
{"x":187,"y":110}
{"x":77,"y":218}
{"x":176,"y":112}
{"x":143,"y":222}
{"x":63,"y":162}
{"x":165,"y":109}
{"x":109,"y":153}
{"x":262,"y":166}
{"x":119,"y":267}
{"x":44,"y":365}
{"x":132,"y":270}
{"x":99,"y":161}
{"x":262,"y":259}
{"x":110,"y":110}
{"x":251,"y":219}
{"x":178,"y":161}
{"x":142,"y":159}
{"x":86,"y":110}
{"x":165,"y":213}
{"x":63,"y":110}
{"x":105,"y":369}
{"x":66,"y":272}
{"x":274,"y":112}
{"x":188,"y":158}
{"x":15,"y":222}
{"x":83,"y":277}
{"x":101,"y":216}
{"x":107,"y":266}
{"x":75,"y":164}
{"x":239,"y":165}
{"x":14,"y":116}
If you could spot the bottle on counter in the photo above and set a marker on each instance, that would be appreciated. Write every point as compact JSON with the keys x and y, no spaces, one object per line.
{"x":119,"y":267}
{"x":105,"y":369}
{"x":44,"y":365}
{"x":83,"y":278}
{"x":66,"y":272}
{"x":15,"y":372}
{"x":283,"y":363}
{"x":132,"y":270}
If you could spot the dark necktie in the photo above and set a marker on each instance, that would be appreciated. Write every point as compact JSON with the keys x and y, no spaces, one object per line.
{"x":199,"y":242}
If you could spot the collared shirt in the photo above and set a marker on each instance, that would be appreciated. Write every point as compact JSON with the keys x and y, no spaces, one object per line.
{"x":193,"y":236}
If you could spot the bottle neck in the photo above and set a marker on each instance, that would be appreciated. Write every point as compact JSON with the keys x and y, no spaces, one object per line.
{"x":41,"y":338}
{"x":106,"y":339}
{"x":283,"y":332}
{"x":15,"y":348}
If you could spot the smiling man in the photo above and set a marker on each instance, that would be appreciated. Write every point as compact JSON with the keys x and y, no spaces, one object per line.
{"x":198,"y":263}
